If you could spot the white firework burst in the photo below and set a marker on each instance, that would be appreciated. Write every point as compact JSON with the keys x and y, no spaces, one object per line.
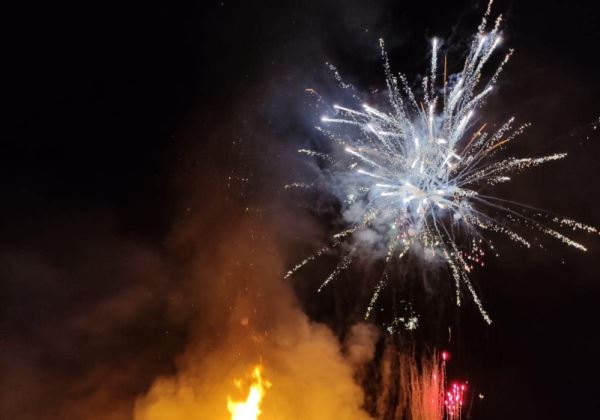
{"x":414,"y":172}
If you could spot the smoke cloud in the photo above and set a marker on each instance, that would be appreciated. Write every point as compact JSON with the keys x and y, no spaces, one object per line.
{"x":80,"y":321}
{"x":250,"y":316}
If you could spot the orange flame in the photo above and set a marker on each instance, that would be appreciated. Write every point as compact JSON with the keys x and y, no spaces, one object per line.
{"x":250,"y":408}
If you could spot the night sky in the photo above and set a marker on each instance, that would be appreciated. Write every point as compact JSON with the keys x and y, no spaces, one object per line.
{"x":131,"y":133}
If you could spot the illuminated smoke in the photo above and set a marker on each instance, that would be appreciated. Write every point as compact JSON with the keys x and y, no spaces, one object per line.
{"x":248,"y":315}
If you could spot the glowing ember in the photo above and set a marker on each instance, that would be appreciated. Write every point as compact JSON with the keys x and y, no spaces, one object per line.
{"x":250,"y":408}
{"x":454,"y":400}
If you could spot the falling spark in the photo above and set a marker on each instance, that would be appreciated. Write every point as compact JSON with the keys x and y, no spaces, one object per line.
{"x":419,"y":174}
{"x":250,"y":408}
{"x":426,"y":389}
{"x":408,"y":321}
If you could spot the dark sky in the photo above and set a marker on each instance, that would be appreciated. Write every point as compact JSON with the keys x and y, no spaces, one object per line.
{"x":123,"y":121}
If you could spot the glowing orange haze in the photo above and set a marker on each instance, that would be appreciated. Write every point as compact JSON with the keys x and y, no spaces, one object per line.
{"x":249,"y":314}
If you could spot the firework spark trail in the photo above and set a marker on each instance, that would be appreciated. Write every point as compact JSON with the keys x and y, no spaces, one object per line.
{"x":416,"y":173}
{"x":454,"y":401}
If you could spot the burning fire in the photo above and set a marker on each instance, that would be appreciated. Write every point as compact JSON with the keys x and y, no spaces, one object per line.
{"x":250,"y":408}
